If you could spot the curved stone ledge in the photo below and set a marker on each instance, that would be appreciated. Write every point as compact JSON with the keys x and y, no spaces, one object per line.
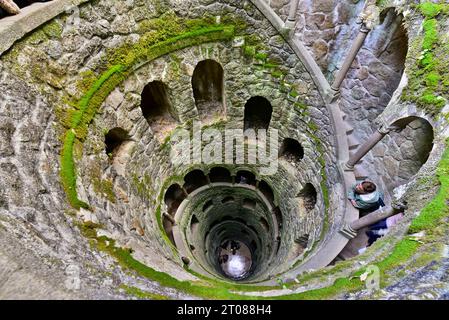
{"x":13,"y":28}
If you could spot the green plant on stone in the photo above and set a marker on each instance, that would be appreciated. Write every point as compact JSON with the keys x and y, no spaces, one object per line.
{"x":53,"y":29}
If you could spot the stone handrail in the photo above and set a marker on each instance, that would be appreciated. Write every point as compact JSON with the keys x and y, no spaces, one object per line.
{"x":15,"y":27}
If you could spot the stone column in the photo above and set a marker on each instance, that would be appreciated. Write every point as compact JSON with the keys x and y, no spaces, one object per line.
{"x":356,"y":46}
{"x":366,"y":147}
{"x":291,"y":20}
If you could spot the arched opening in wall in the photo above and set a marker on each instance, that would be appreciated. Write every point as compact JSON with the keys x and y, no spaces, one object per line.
{"x":307,"y":198}
{"x":173,"y":198}
{"x":266,"y":191}
{"x":219,"y":174}
{"x":228,"y":200}
{"x":303,"y":241}
{"x":118,"y":148}
{"x":392,"y":49}
{"x":249,"y":204}
{"x":291,"y":150}
{"x":258,"y":111}
{"x":207,"y":84}
{"x":208,"y":205}
{"x":407,"y":151}
{"x":194,"y":220}
{"x":194,"y":180}
{"x":375,"y":74}
{"x":156,"y":108}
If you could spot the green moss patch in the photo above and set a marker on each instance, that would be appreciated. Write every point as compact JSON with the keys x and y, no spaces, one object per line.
{"x":126,"y":261}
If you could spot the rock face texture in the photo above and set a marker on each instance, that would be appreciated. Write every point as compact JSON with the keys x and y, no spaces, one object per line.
{"x":100,"y":200}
